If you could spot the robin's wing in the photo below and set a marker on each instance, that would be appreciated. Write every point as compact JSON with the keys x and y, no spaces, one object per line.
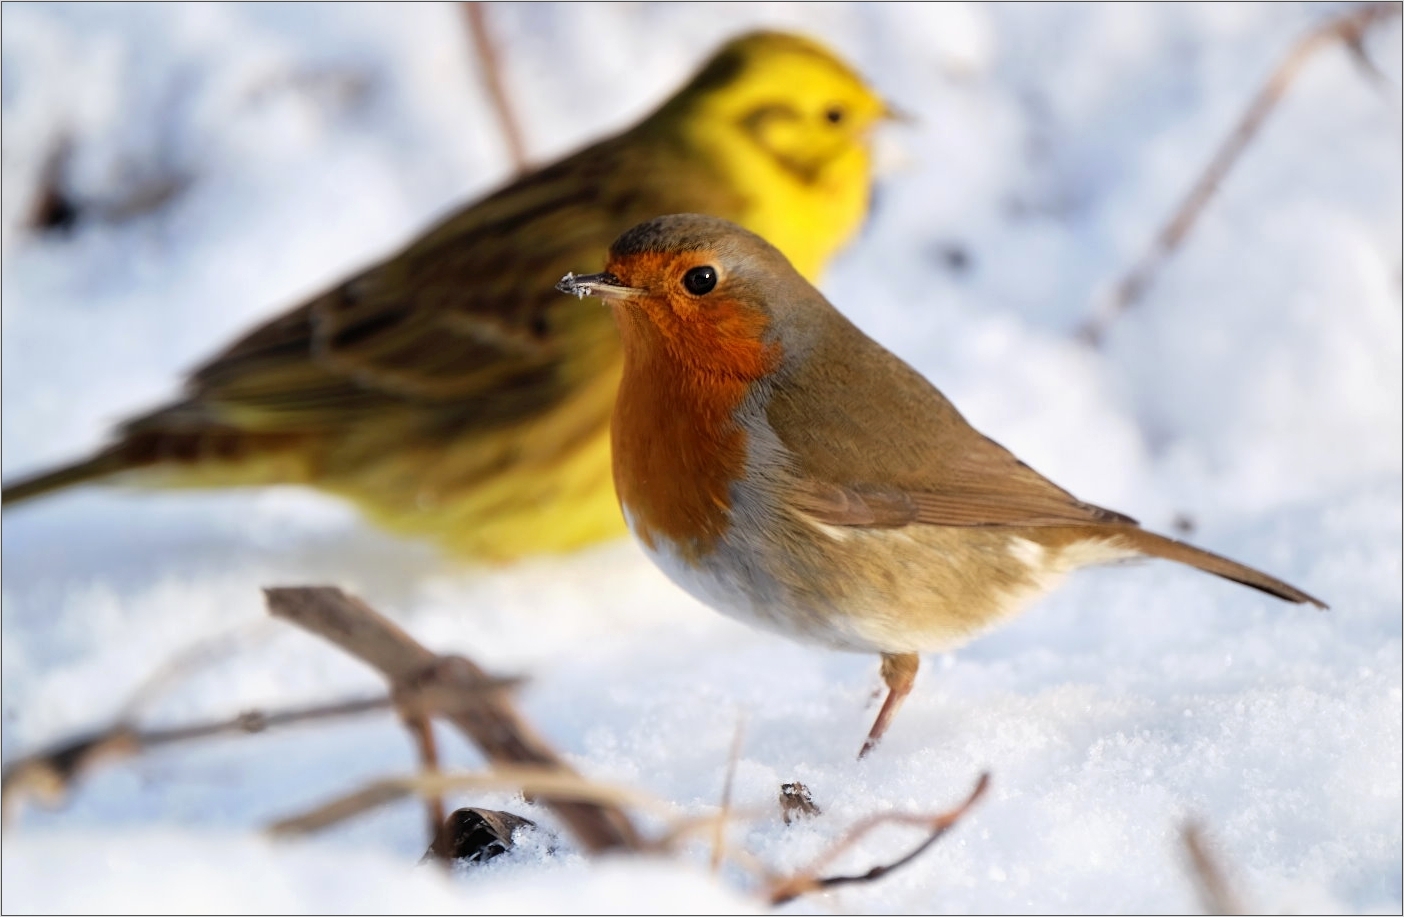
{"x":888,"y":449}
{"x":468,"y":308}
{"x":874,"y":507}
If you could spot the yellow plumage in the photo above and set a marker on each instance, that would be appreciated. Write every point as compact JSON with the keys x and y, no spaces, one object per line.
{"x":449,"y":391}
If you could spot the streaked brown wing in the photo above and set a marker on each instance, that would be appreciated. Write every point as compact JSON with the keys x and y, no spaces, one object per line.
{"x":468,"y":308}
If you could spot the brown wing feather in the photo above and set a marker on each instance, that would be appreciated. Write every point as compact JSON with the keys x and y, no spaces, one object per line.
{"x":894,"y":450}
{"x":468,"y":308}
{"x":838,"y":505}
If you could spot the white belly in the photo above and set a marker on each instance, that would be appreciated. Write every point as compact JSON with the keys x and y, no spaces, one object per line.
{"x":734,"y":582}
{"x":925,"y":608}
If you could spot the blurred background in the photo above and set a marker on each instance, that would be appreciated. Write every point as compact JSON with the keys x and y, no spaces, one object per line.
{"x":175,"y":173}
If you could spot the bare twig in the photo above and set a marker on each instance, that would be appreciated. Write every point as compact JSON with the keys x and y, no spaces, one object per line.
{"x":491,"y":69}
{"x":190,"y":660}
{"x":51,"y":773}
{"x":1215,"y":895}
{"x":719,"y":837}
{"x":549,"y":783}
{"x":808,"y":880}
{"x":422,"y":678}
{"x":422,"y":729}
{"x":680,"y":828}
{"x":527,"y":781}
{"x":258,"y":721}
{"x":1349,"y":28}
{"x":72,"y":756}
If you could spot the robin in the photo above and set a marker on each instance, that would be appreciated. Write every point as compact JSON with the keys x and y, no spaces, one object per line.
{"x":447,"y":390}
{"x":786,"y":469}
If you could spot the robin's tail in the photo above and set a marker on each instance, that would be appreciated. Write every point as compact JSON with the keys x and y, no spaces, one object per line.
{"x":95,"y":468}
{"x":1155,"y":545}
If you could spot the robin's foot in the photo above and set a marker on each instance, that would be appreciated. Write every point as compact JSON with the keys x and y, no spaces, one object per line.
{"x":899,"y":673}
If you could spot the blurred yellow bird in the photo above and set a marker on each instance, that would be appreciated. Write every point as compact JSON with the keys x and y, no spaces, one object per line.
{"x":449,"y":390}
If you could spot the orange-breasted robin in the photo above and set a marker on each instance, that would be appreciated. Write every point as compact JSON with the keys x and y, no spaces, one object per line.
{"x":786,"y":469}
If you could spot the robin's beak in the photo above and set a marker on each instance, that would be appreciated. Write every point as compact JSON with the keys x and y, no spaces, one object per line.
{"x":605,"y":286}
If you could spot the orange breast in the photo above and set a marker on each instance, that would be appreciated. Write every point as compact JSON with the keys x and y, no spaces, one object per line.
{"x":677,"y":448}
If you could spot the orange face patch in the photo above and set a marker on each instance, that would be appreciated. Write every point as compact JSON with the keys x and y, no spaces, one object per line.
{"x":689,"y":362}
{"x":716,"y":333}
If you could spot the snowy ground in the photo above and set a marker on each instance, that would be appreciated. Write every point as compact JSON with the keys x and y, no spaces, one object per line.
{"x":1256,"y":390}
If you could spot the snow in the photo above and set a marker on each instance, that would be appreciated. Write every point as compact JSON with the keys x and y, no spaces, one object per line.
{"x":1256,"y":389}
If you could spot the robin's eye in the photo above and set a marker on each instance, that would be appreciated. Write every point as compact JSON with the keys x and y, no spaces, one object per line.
{"x":834,"y":114}
{"x":700,"y":280}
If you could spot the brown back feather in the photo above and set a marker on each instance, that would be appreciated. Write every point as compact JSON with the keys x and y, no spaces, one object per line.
{"x":879,"y":445}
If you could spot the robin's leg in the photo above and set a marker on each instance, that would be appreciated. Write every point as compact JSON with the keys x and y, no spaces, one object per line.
{"x":899,"y":672}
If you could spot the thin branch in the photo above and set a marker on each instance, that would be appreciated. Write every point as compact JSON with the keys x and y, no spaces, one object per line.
{"x":51,"y":773}
{"x":547,"y":782}
{"x":432,"y":684}
{"x":190,"y":660}
{"x":719,"y":836}
{"x":528,"y":781}
{"x":1215,"y":894}
{"x":808,"y":880}
{"x":491,"y":69}
{"x":680,"y":828}
{"x":48,"y":776}
{"x":257,"y":721}
{"x":1348,"y":28}
{"x":422,"y":729}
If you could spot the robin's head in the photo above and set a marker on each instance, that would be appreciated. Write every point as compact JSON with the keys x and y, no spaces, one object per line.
{"x":701,"y":292}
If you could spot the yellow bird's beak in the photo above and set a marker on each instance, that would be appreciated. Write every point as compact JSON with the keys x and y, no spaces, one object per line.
{"x":892,"y":113}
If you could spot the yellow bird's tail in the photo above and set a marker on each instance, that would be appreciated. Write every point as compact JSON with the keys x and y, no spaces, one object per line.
{"x":170,"y":448}
{"x":99,"y":466}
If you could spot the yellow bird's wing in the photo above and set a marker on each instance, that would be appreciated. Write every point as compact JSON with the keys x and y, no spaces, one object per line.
{"x":468,"y":309}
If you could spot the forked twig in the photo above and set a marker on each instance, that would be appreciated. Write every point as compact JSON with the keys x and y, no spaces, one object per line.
{"x":429,"y":684}
{"x":808,"y":879}
{"x":1348,"y":28}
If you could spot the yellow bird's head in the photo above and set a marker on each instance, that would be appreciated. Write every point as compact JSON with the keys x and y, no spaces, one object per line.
{"x":788,"y":125}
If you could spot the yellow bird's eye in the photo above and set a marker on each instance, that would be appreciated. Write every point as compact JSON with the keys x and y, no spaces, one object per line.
{"x":835,"y":114}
